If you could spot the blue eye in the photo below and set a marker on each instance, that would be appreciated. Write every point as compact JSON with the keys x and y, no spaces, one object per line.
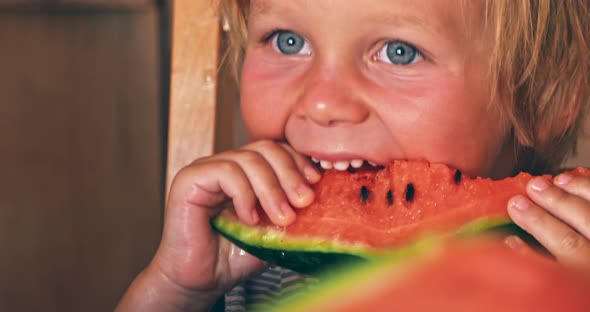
{"x":290,"y":43}
{"x":399,"y":53}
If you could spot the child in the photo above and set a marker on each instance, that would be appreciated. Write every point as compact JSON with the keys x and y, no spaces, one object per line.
{"x":489,"y":87}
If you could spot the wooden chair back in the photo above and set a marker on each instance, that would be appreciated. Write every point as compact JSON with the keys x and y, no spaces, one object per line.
{"x":202,"y":93}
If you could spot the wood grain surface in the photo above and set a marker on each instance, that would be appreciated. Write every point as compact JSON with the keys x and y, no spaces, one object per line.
{"x":195,"y":47}
{"x":81,"y":156}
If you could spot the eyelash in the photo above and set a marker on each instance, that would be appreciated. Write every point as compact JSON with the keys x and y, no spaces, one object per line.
{"x":269,"y":35}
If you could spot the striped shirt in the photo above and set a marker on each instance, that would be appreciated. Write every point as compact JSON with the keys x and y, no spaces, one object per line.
{"x":262,"y":290}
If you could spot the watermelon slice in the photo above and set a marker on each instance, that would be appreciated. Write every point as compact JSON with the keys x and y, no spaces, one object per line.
{"x":360,"y":215}
{"x":469,"y":275}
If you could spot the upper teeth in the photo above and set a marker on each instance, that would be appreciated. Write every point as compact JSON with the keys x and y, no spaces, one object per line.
{"x":341,"y":165}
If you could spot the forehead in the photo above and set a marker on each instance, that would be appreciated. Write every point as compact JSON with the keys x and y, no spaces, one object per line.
{"x":438,"y":16}
{"x":461,"y":24}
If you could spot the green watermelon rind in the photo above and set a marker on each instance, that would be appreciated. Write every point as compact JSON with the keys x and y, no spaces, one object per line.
{"x":335,"y":282}
{"x":313,"y":255}
{"x":394,"y":265}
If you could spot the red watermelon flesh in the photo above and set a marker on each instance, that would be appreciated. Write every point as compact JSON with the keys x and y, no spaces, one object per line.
{"x":485,"y":278}
{"x":463,"y":276}
{"x":389,"y":207}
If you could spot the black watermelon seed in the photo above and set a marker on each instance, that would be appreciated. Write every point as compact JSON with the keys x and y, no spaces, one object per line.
{"x":410,"y":192}
{"x":364,"y":194}
{"x":389,"y":198}
{"x":458,"y":176}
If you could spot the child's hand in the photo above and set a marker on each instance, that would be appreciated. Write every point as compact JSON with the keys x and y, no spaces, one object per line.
{"x":194,"y":260}
{"x":558,"y":217}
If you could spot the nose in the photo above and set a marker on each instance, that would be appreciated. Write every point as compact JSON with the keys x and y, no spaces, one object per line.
{"x":330,"y":97}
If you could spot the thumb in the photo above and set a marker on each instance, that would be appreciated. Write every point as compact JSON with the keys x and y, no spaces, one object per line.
{"x":243,"y":265}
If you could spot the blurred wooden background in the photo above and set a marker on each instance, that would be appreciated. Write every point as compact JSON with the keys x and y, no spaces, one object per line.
{"x":83,"y":116}
{"x":82,"y":119}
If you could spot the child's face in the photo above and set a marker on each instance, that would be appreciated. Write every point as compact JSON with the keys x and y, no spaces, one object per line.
{"x":376,"y":80}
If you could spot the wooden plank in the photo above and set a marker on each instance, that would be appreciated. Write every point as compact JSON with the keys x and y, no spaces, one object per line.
{"x":81,"y":190}
{"x":195,"y":45}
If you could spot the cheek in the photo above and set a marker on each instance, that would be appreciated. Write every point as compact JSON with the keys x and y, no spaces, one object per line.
{"x":445,"y":119}
{"x":264,"y":99}
{"x":472,"y":134}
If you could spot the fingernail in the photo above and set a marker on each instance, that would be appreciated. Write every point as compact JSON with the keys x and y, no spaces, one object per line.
{"x":520,"y":203}
{"x":563,"y":178}
{"x":311,"y":174}
{"x":539,"y":185}
{"x":304,"y":193}
{"x":514,"y":242}
{"x":286,"y":212}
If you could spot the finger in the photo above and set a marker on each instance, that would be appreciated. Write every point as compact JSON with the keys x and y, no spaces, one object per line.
{"x":287,"y":170}
{"x":518,"y":245}
{"x":242,"y":264}
{"x":562,"y":241}
{"x":304,"y":164}
{"x":577,"y":185}
{"x":569,"y":208}
{"x":265,"y":185}
{"x":207,"y":189}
